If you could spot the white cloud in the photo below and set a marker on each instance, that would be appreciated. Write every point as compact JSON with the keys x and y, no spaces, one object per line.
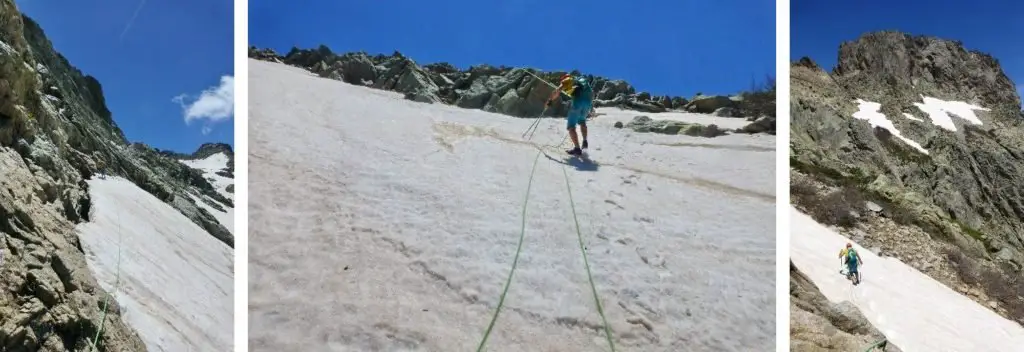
{"x":215,"y":104}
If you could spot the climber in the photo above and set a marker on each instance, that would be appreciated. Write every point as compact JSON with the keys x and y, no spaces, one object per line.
{"x":851,"y":259}
{"x":581,"y":92}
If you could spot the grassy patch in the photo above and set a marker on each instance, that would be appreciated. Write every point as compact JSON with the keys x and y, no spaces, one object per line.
{"x":998,"y":284}
{"x":831,"y":176}
{"x":974,"y":233}
{"x":839,"y":207}
{"x":899,"y":149}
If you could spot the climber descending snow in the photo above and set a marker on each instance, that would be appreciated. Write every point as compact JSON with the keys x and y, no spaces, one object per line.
{"x":849,"y":257}
{"x":581,"y":92}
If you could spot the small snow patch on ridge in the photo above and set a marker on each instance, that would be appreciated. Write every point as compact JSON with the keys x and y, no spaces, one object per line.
{"x":941,"y":111}
{"x":210,"y":166}
{"x":912,"y":118}
{"x":870,"y":111}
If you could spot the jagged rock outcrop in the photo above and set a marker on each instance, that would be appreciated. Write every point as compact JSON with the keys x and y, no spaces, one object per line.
{"x":55,"y":133}
{"x":505,"y":90}
{"x":206,"y":150}
{"x":968,"y":189}
{"x":646,"y":124}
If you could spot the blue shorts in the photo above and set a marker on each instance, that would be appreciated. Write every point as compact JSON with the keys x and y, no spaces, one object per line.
{"x":578,"y":114}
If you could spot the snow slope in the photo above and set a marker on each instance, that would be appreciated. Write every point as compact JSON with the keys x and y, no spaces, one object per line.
{"x":381,"y":224}
{"x":209,"y":167}
{"x":176,"y":281}
{"x":914,"y":311}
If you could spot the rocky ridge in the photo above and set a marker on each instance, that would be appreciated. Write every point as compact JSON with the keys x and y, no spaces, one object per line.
{"x":507,"y":90}
{"x":55,"y":133}
{"x":958,"y":206}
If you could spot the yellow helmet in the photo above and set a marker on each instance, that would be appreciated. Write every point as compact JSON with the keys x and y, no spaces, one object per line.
{"x":566,"y":82}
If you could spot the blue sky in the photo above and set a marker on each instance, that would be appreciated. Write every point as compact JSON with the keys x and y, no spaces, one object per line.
{"x":171,"y":48}
{"x":995,"y":27}
{"x":664,"y":47}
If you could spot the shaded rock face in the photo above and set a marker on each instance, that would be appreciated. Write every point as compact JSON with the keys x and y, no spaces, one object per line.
{"x":972,"y":178}
{"x":55,"y":133}
{"x":505,"y":90}
{"x":819,"y":325}
{"x":763,"y":124}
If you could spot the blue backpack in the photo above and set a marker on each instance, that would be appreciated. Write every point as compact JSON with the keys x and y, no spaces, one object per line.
{"x":582,"y":90}
{"x":851,"y":256}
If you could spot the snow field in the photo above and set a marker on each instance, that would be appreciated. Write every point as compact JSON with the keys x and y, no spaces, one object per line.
{"x":176,"y":282}
{"x":384,"y":224}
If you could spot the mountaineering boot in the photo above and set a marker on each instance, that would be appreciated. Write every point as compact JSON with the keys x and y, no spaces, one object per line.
{"x":584,"y":144}
{"x":574,"y":151}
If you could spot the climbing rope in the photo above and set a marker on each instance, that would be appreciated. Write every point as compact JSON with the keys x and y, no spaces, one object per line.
{"x":528,"y":135}
{"x":877,"y":344}
{"x":519,"y":248}
{"x":117,"y":283}
{"x":586,"y":263}
{"x":515,"y":260}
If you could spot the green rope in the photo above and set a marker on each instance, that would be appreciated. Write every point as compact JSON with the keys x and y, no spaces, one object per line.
{"x":519,"y":248}
{"x":586,"y":263}
{"x":117,"y":282}
{"x":876,"y":345}
{"x":515,"y":260}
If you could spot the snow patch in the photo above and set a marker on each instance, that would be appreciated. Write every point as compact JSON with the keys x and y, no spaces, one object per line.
{"x":210,"y":166}
{"x":940,"y":111}
{"x":176,"y":280}
{"x":912,"y":118}
{"x":225,"y":218}
{"x":916,"y":312}
{"x":869,"y":111}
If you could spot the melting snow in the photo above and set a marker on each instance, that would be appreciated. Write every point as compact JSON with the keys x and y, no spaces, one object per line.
{"x":176,"y":286}
{"x":870,"y":111}
{"x":940,"y":110}
{"x":914,"y":311}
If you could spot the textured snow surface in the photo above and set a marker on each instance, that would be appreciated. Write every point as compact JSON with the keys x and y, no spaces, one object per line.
{"x":914,"y":311}
{"x":176,"y":282}
{"x":380,"y":224}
